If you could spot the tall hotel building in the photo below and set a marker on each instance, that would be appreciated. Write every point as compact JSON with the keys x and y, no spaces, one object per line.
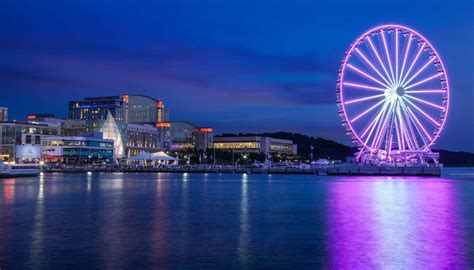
{"x":124,"y":108}
{"x":143,"y":121}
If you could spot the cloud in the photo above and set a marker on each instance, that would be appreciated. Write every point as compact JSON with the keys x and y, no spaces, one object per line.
{"x":224,"y":73}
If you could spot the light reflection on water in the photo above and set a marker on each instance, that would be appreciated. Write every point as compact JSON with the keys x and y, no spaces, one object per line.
{"x":404,"y":224}
{"x":226,"y":221}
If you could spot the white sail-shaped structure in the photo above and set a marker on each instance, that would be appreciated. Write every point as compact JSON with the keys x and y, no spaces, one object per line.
{"x":111,"y":131}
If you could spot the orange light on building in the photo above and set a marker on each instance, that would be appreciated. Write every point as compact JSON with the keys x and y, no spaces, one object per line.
{"x":32,"y":116}
{"x":163,"y":124}
{"x":206,"y":129}
{"x":159,"y":104}
{"x":125,"y":98}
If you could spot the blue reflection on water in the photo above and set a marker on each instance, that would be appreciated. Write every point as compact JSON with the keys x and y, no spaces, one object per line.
{"x":245,"y":221}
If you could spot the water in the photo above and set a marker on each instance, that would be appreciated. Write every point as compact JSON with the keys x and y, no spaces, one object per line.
{"x":234,"y":221}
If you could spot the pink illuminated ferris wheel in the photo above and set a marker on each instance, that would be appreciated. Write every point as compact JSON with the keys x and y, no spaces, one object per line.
{"x":392,"y":93}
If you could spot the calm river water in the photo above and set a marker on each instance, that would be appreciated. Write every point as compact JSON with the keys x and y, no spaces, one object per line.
{"x":237,"y":221}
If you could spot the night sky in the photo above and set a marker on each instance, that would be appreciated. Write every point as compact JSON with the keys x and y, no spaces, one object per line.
{"x":236,"y":66}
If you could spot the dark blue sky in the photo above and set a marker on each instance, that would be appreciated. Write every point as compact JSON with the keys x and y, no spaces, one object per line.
{"x":237,"y":66}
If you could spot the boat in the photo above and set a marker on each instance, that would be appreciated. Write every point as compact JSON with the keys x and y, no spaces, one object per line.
{"x":18,"y":170}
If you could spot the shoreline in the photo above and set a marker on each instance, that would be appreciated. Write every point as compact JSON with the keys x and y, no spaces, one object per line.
{"x":353,"y":170}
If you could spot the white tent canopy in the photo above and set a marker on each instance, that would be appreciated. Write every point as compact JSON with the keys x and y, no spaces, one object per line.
{"x":162,"y":156}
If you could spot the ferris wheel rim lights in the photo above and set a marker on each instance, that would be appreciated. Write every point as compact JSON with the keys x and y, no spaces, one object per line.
{"x":388,"y":82}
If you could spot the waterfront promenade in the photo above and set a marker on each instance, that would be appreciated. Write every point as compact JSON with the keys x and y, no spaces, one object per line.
{"x":343,"y":169}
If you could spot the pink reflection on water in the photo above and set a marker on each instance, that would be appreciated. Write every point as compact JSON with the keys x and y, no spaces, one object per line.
{"x":396,"y":224}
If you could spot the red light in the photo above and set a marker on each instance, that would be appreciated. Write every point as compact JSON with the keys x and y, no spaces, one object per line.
{"x":159,"y":104}
{"x":32,"y":117}
{"x":205,"y":129}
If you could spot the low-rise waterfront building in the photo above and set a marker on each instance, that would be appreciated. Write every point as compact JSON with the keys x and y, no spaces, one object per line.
{"x":255,"y":144}
{"x":187,"y":136}
{"x":142,"y":137}
{"x":13,"y":134}
{"x":77,"y":149}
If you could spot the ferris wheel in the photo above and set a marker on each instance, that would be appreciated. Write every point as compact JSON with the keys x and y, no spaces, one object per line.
{"x":392,"y":92}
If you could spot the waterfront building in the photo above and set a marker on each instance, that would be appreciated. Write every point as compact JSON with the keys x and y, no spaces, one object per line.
{"x":187,"y":136}
{"x":73,"y":127}
{"x":255,"y":144}
{"x":142,"y":137}
{"x":13,"y":134}
{"x":202,"y":138}
{"x":124,"y":108}
{"x":111,"y":131}
{"x":96,"y":109}
{"x":40,"y":117}
{"x":144,"y":109}
{"x":3,"y":114}
{"x":77,"y":149}
{"x":164,"y":133}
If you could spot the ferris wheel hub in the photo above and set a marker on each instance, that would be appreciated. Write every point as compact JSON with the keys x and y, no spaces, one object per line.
{"x":399,"y":91}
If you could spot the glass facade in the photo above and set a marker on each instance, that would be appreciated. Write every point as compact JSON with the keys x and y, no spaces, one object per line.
{"x":17,"y":133}
{"x":97,"y":108}
{"x":73,"y":150}
{"x":181,"y":135}
{"x":143,"y":109}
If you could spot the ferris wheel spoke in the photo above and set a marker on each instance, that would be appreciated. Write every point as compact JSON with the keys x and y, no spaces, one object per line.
{"x":363,"y":86}
{"x":396,"y":55}
{"x":409,"y":132}
{"x":410,"y":112}
{"x":366,"y":75}
{"x":397,"y":132}
{"x":424,"y":91}
{"x":381,"y":128}
{"x":413,"y":62}
{"x":378,"y":58}
{"x":363,"y":99}
{"x":422,"y":112}
{"x":403,"y":132}
{"x":425,"y":102}
{"x":400,"y":128}
{"x":388,"y":55}
{"x":368,"y":110}
{"x":424,"y":80}
{"x":374,"y":122}
{"x":406,"y":55}
{"x":419,"y":71}
{"x":372,"y":66}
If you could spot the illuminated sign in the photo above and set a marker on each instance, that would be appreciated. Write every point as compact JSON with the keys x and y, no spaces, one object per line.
{"x":31,"y":116}
{"x":205,"y":129}
{"x":28,"y":151}
{"x":163,"y":124}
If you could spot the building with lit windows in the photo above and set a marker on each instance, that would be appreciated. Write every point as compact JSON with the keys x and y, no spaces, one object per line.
{"x":13,"y":134}
{"x":144,"y":109}
{"x":202,"y":138}
{"x":143,"y":137}
{"x":255,"y":144}
{"x":186,"y":136}
{"x":164,"y":134}
{"x":3,"y":114}
{"x":97,"y":108}
{"x":77,"y":149}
